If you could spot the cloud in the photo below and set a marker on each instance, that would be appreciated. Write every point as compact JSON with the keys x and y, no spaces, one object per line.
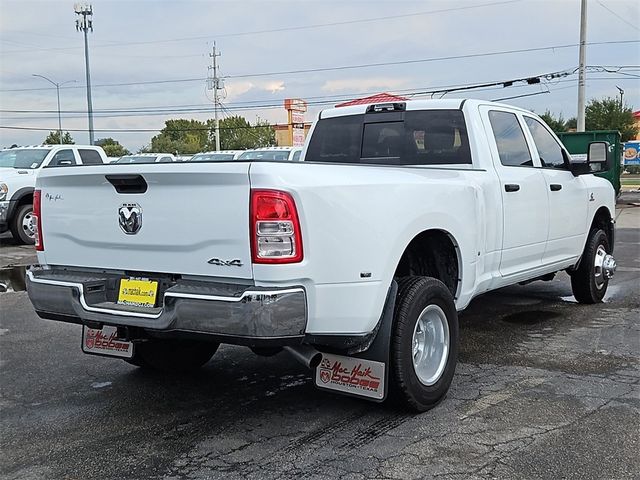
{"x":363,"y":84}
{"x":235,"y":89}
{"x":274,"y":86}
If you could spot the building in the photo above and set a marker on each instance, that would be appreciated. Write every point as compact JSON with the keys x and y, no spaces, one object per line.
{"x":377,"y":98}
{"x":283,"y":134}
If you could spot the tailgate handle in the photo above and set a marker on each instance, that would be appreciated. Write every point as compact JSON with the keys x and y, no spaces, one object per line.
{"x":127,"y":183}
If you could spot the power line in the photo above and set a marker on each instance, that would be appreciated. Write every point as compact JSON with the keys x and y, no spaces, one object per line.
{"x":635,"y":27}
{"x":138,"y":130}
{"x":319,"y":100}
{"x":195,"y":107}
{"x":347,"y":67}
{"x":520,"y":96}
{"x":287,"y":29}
{"x":282,"y":125}
{"x":239,"y":108}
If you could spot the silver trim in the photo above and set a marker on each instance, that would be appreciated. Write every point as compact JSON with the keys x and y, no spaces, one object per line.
{"x":193,"y":296}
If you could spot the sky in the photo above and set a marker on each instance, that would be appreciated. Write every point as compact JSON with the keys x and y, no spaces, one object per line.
{"x":322,"y":51}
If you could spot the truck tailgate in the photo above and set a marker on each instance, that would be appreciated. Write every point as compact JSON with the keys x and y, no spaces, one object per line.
{"x":193,"y":218}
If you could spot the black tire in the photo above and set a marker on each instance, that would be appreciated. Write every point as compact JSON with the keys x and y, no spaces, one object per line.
{"x":583,"y":279}
{"x":17,"y":230}
{"x":172,"y":356}
{"x":406,"y":389}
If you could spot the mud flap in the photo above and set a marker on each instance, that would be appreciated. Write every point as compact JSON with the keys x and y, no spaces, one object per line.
{"x":364,"y":374}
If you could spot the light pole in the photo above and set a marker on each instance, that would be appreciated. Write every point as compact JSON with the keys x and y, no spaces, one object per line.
{"x":84,"y":23}
{"x":57,"y":85}
{"x":621,"y":91}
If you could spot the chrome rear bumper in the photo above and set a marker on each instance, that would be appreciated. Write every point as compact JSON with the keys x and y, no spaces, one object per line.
{"x":239,"y":312}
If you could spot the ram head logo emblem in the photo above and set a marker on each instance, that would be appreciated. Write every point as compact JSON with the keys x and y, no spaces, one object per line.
{"x":130,"y":218}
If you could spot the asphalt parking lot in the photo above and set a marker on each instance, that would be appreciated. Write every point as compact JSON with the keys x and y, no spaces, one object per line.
{"x":545,"y":388}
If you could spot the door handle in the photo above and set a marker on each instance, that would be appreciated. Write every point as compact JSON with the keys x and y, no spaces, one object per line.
{"x":511,"y":187}
{"x":555,"y":187}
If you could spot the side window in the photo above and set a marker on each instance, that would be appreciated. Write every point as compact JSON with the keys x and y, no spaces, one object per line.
{"x":296,"y":156}
{"x":512,"y":146}
{"x":548,"y":148}
{"x":90,"y":157}
{"x":63,"y":158}
{"x":166,"y":160}
{"x":435,"y":137}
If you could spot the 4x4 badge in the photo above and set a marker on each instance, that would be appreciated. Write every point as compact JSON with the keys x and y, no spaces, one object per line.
{"x":130,"y":218}
{"x":225,"y":263}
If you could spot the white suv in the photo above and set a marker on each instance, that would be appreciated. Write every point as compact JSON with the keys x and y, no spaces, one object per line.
{"x":18,"y":170}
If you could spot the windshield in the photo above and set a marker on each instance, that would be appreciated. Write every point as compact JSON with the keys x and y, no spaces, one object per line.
{"x":22,"y":158}
{"x":137,"y":159}
{"x":265,"y":155}
{"x":212,"y":157}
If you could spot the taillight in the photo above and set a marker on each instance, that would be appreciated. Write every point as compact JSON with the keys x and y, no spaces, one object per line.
{"x":274,"y":228}
{"x":37,"y":221}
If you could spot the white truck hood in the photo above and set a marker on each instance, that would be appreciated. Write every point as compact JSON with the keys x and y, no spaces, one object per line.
{"x":17,"y":178}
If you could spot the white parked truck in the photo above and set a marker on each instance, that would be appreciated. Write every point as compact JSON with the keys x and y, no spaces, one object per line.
{"x":356,"y":260}
{"x":18,"y":170}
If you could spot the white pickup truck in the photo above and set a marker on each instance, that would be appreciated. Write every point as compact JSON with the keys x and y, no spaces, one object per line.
{"x":355,"y":261}
{"x":18,"y":170}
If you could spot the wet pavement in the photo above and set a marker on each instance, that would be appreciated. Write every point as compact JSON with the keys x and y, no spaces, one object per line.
{"x":545,"y":388}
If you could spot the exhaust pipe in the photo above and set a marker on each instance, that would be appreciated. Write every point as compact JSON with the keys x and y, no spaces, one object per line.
{"x":307,"y":356}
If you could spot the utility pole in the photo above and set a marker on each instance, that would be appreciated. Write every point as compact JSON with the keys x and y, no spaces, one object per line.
{"x":84,"y":23}
{"x":57,"y":85}
{"x":215,"y":84}
{"x":581,"y":66}
{"x":621,"y":96}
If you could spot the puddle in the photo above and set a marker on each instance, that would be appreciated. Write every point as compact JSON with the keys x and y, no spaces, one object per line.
{"x":12,"y":279}
{"x":530,"y":318}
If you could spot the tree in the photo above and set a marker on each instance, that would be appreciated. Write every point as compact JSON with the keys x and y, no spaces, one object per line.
{"x":557,"y":124}
{"x":181,"y":136}
{"x":236,"y":133}
{"x":608,"y":114}
{"x":112,"y":147}
{"x":54,"y":138}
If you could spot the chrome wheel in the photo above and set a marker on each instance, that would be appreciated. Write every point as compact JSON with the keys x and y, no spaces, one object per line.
{"x":28,"y":226}
{"x":430,"y":344}
{"x":598,"y":267}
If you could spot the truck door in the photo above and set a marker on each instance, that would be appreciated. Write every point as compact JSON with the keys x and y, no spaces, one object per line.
{"x":523,"y":189}
{"x":568,"y":197}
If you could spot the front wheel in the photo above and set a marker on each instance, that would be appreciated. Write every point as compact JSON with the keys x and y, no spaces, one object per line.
{"x":23,"y":227}
{"x":590,"y":280}
{"x":172,"y":355}
{"x":424,"y":343}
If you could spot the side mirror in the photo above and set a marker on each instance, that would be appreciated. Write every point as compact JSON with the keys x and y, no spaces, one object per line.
{"x":596,"y":159}
{"x":597,"y":156}
{"x":64,"y":163}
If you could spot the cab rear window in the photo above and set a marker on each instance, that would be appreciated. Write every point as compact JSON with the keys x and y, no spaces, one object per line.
{"x":427,"y":137}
